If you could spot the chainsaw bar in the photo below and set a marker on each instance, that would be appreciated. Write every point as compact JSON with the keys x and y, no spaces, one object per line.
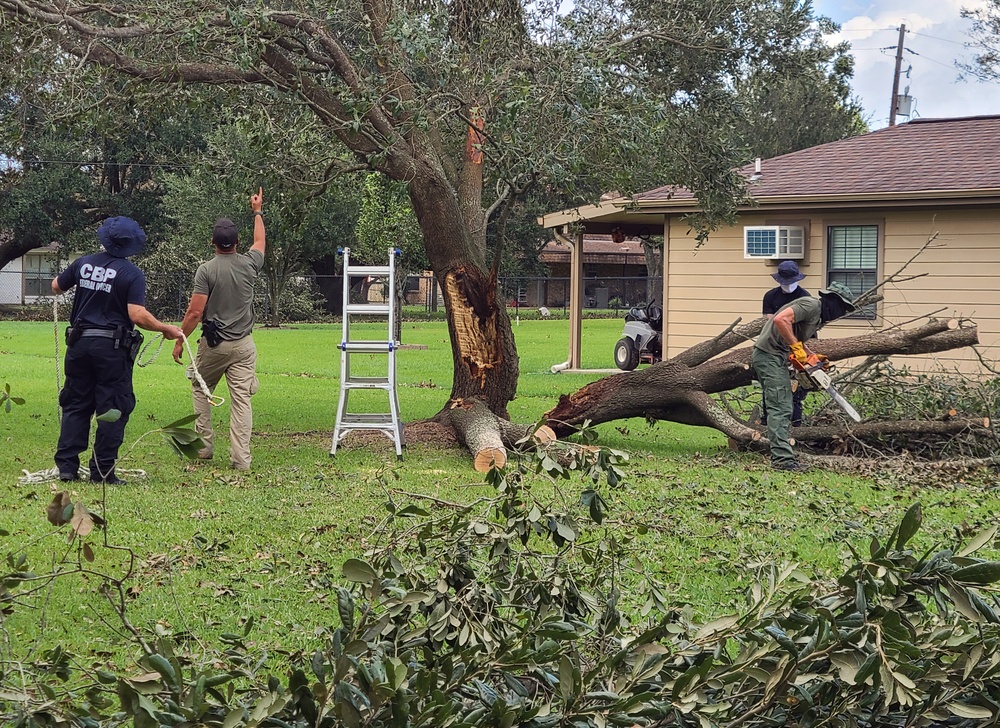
{"x":825,"y":382}
{"x":844,"y":404}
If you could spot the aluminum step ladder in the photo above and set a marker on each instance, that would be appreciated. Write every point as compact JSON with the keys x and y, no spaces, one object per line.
{"x":387,"y":423}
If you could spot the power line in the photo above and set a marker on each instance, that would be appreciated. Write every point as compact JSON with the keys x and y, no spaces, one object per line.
{"x":940,"y":63}
{"x":945,"y":40}
{"x":9,"y":162}
{"x":862,"y":30}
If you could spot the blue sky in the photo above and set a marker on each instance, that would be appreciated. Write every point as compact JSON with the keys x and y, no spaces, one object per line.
{"x":936,"y":37}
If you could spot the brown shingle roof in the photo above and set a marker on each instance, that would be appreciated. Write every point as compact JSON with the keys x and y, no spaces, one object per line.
{"x":594,"y":245}
{"x":919,"y":158}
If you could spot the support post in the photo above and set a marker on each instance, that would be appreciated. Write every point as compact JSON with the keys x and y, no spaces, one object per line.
{"x":575,"y":300}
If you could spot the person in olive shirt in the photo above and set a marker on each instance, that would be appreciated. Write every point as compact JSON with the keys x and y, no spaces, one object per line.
{"x":222,"y":301}
{"x":788,"y":289}
{"x":782,"y":337}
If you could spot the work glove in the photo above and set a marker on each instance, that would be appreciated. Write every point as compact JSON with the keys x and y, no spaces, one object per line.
{"x":799,"y":354}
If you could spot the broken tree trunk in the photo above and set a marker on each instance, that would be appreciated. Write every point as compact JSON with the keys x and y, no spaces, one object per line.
{"x":679,"y":389}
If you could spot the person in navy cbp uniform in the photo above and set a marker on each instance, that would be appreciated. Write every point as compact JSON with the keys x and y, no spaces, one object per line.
{"x":788,"y":289}
{"x":101,"y":347}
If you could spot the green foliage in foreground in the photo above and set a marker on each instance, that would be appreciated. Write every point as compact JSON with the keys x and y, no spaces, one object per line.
{"x":236,"y":575}
{"x":511,"y":610}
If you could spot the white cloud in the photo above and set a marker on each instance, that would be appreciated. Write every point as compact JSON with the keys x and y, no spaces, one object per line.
{"x":936,"y":38}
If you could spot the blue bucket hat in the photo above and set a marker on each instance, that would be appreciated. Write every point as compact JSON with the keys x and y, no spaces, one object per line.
{"x":788,"y":272}
{"x":121,"y":236}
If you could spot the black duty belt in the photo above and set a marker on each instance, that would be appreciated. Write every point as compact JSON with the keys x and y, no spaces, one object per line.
{"x":106,"y":333}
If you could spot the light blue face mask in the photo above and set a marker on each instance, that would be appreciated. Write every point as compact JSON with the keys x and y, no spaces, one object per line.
{"x":789,"y":287}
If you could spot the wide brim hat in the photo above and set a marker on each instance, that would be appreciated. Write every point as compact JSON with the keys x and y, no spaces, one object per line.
{"x":842,"y":292}
{"x":787,"y":273}
{"x":121,"y":236}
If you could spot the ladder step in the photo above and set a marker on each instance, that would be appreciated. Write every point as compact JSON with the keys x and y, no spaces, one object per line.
{"x":367,"y":347}
{"x":367,"y":421}
{"x":368,"y":309}
{"x":367,"y":383}
{"x":367,"y":270}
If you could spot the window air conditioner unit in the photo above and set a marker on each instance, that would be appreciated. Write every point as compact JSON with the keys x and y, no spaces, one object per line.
{"x":774,"y":241}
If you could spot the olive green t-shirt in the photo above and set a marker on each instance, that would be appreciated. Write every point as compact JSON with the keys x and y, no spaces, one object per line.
{"x":807,"y":322}
{"x":228,"y":281}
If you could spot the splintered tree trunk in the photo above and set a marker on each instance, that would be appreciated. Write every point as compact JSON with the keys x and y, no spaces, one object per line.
{"x":679,"y":389}
{"x":482,"y":340}
{"x":483,"y":352}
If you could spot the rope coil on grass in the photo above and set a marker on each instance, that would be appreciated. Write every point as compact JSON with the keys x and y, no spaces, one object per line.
{"x":46,"y":476}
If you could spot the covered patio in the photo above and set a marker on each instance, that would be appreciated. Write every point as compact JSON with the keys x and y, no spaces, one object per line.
{"x":609,"y":217}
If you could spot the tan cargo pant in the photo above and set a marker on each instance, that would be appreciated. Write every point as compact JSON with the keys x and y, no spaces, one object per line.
{"x":237,"y":360}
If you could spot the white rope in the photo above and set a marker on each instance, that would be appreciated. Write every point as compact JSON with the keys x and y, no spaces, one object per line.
{"x":138,"y":359}
{"x":55,"y":335}
{"x":213,"y":399}
{"x":47,"y":476}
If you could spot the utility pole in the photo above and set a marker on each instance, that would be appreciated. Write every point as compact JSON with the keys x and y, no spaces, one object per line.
{"x":895,"y":75}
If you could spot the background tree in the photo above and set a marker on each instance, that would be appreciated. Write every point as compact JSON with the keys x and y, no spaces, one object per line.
{"x":310,"y":208}
{"x":67,"y":172}
{"x":386,"y":221}
{"x":466,"y":103}
{"x":986,"y":39}
{"x":805,"y":102}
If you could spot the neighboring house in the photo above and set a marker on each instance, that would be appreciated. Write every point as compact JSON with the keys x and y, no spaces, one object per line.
{"x":854,"y":211}
{"x":29,"y":278}
{"x":610,"y":270}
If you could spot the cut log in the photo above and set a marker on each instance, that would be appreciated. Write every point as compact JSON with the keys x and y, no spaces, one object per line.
{"x":512,"y":433}
{"x":478,"y":429}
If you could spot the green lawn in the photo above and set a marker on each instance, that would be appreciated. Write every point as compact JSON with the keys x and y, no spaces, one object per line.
{"x":215,"y":546}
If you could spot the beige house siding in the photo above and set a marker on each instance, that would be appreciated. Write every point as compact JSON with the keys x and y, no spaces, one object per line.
{"x":709,"y":288}
{"x":960,"y":274}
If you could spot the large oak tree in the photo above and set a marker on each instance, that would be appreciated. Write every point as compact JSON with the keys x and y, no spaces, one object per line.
{"x":467,"y":102}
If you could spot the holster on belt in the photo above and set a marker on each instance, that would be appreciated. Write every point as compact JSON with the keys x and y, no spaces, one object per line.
{"x":210,"y":330}
{"x":135,"y":343}
{"x":73,"y":335}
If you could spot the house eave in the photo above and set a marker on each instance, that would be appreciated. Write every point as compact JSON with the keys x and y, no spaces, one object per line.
{"x":618,"y":212}
{"x":944,"y":198}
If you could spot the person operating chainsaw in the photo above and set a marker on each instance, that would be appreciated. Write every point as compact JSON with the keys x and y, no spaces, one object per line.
{"x":781,"y":340}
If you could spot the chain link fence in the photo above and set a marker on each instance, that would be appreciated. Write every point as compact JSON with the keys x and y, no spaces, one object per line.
{"x":28,"y":295}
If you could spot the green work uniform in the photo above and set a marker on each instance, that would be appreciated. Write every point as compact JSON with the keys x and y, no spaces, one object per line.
{"x":770,"y":363}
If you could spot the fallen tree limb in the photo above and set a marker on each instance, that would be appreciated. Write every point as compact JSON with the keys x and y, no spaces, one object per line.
{"x":890,"y":427}
{"x":675,"y":390}
{"x":477,"y":428}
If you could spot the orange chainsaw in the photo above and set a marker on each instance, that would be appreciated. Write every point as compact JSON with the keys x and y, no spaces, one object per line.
{"x":816,"y":374}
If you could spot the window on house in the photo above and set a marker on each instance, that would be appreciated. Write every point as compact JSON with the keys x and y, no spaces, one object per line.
{"x":412,"y":284}
{"x":590,"y":270}
{"x":852,"y":259}
{"x":38,"y":274}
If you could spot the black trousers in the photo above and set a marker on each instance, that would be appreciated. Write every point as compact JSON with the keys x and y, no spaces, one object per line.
{"x":98,"y":379}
